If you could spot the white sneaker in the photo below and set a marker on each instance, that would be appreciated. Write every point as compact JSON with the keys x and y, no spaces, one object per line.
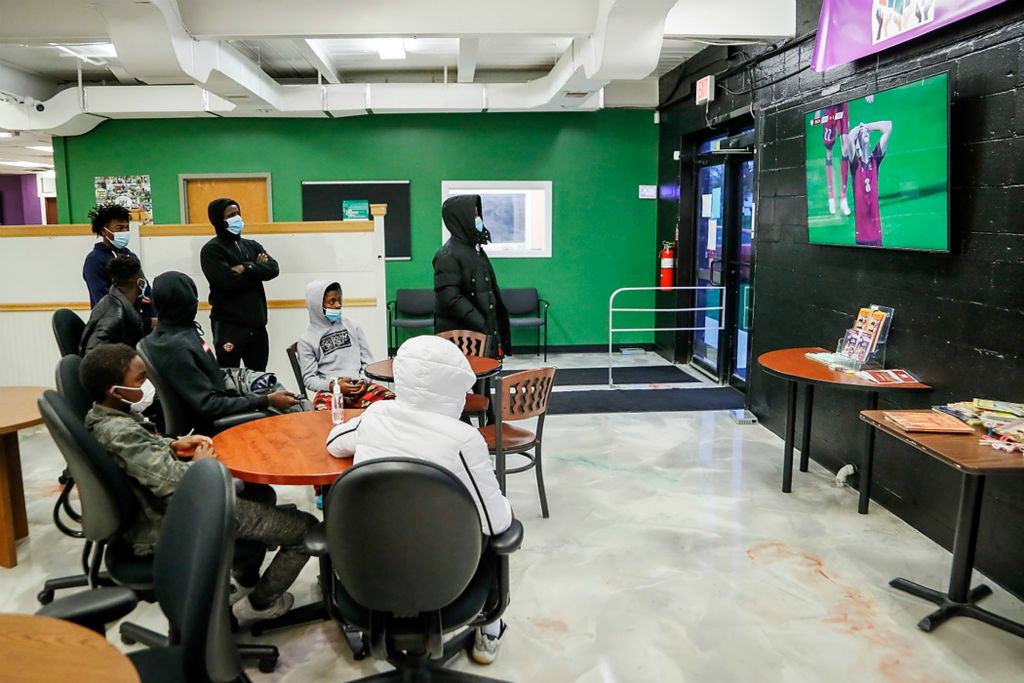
{"x":246,"y":614}
{"x":485,"y":647}
{"x":845,"y":206}
{"x":237,"y":591}
{"x":831,"y":205}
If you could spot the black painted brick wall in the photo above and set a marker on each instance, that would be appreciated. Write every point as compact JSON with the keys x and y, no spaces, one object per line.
{"x":959,"y":317}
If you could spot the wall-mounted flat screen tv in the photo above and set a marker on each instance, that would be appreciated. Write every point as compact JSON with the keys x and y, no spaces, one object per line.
{"x":878,"y":169}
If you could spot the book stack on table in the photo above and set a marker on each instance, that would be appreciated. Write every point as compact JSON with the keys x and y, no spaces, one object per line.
{"x":1002,"y":420}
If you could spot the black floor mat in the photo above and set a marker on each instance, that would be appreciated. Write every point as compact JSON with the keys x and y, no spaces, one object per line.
{"x":643,"y":400}
{"x":655,"y":374}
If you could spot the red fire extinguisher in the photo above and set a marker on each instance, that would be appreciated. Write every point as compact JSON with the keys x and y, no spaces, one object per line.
{"x":668,"y":264}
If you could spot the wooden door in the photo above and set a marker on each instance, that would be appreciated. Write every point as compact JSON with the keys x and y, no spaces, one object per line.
{"x":250,"y":193}
{"x":51,"y":210}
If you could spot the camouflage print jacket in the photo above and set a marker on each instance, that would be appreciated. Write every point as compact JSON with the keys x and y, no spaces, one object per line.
{"x":149,"y":462}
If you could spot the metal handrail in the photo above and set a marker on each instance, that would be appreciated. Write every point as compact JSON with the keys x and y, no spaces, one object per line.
{"x":612,"y":310}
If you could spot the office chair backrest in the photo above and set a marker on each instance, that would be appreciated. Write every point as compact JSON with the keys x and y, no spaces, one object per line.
{"x":525,"y":394}
{"x":191,"y":569}
{"x":176,"y":420}
{"x":68,"y":329}
{"x":415,"y":302}
{"x":293,"y":358}
{"x":469,"y":342}
{"x":520,"y":301}
{"x":403,"y":535}
{"x":70,"y":385}
{"x":104,"y":492}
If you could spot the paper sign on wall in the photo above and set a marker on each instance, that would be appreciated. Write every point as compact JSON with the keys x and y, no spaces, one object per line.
{"x":712,"y":235}
{"x":130,"y":191}
{"x":705,"y":206}
{"x":716,"y":202}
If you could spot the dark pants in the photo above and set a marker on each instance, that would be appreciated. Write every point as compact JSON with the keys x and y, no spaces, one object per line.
{"x":235,"y":344}
{"x":258,"y":519}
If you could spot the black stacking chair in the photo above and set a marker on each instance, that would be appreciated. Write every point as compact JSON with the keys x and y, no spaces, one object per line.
{"x":176,"y":413}
{"x":108,"y":509}
{"x":525,"y":310}
{"x":190,"y":577}
{"x":68,"y":329}
{"x":411,"y":564}
{"x":411,"y":309}
{"x":293,"y":360}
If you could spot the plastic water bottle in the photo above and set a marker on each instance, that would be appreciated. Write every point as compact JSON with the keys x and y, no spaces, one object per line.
{"x":337,"y":407}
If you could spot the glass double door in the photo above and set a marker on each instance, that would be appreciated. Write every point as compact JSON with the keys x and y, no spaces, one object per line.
{"x":723,"y":259}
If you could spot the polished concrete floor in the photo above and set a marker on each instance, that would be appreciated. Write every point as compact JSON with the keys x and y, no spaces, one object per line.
{"x":670,"y":555}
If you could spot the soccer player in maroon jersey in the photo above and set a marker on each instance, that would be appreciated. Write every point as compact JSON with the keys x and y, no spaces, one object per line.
{"x":835,"y":122}
{"x":865,"y":164}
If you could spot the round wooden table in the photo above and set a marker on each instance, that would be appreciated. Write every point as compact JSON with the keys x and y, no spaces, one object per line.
{"x":483,"y":368}
{"x":18,"y":410}
{"x":283,"y":449}
{"x":795,"y":367}
{"x":37,"y":649}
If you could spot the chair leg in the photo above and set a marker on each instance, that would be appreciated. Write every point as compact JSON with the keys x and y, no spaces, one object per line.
{"x":538,"y":341}
{"x":545,"y":341}
{"x":540,"y":482}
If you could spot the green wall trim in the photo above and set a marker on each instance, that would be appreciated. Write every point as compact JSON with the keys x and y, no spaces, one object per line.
{"x":603,"y":235}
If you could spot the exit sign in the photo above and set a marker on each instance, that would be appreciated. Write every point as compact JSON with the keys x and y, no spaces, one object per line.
{"x":706,"y":90}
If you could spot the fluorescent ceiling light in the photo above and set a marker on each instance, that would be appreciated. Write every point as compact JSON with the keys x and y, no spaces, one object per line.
{"x":78,"y":55}
{"x":26,"y":164}
{"x":390,"y":48}
{"x":7,"y":134}
{"x":41,"y":148}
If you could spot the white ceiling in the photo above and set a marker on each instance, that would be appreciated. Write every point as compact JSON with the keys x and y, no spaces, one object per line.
{"x":164,"y":58}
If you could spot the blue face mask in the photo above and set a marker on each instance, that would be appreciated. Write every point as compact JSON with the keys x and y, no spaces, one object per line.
{"x":235,"y":225}
{"x":333,"y":314}
{"x":478,"y":223}
{"x":120,"y":239}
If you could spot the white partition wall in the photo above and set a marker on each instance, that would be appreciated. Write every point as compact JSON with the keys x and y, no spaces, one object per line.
{"x":41,"y":271}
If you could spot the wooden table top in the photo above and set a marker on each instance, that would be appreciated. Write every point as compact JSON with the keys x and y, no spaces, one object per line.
{"x":383,"y":370}
{"x":283,"y":449}
{"x":37,"y":649}
{"x":794,"y":364}
{"x":18,"y":408}
{"x":961,"y":451}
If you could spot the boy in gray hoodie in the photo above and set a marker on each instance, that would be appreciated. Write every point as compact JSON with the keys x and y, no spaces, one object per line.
{"x":334,"y":349}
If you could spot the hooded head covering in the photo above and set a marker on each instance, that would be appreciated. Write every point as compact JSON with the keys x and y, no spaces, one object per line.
{"x":432,"y":374}
{"x":459,"y":216}
{"x":216,"y":213}
{"x":177,"y":299}
{"x":315,"y":291}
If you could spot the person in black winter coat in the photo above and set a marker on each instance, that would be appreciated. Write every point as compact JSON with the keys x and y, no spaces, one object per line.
{"x":187,"y":363}
{"x":236,"y":269}
{"x":118,"y":317}
{"x":466,"y":292}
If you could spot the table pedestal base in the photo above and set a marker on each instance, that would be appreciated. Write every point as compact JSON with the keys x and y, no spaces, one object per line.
{"x":949,"y":608}
{"x":312,"y":613}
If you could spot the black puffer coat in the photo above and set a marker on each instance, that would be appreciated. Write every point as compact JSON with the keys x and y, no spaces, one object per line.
{"x":466,"y":292}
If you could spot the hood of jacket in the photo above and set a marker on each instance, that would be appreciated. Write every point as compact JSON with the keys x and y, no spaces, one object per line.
{"x":216,"y":213}
{"x":459,"y":215}
{"x":177,"y":299}
{"x":315,"y":302}
{"x":432,"y":374}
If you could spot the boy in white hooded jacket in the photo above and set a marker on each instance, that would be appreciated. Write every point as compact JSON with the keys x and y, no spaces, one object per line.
{"x":432,"y":377}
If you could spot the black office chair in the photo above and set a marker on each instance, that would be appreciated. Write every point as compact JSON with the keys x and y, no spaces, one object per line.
{"x":191,"y":570}
{"x":68,"y":329}
{"x":416,"y":307}
{"x":411,"y":564}
{"x":176,"y":414}
{"x":108,"y":509}
{"x":524,"y":310}
{"x":293,"y":359}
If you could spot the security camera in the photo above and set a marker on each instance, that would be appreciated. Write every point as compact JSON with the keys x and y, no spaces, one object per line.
{"x":40,"y":106}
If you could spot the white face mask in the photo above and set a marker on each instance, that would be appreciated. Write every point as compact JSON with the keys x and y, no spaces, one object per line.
{"x":148,"y":396}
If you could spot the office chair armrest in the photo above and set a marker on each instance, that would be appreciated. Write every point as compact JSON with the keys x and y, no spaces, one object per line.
{"x":93,"y":608}
{"x":546,"y":303}
{"x":509,"y":540}
{"x":315,"y":542}
{"x":234,"y":420}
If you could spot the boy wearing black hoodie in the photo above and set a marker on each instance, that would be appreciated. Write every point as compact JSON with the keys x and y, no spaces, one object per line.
{"x":236,"y":269}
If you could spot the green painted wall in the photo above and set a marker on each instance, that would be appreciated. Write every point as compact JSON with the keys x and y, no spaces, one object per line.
{"x":603,"y":236}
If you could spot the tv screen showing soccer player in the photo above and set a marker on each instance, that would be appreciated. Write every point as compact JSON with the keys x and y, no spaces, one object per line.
{"x":878,"y":169}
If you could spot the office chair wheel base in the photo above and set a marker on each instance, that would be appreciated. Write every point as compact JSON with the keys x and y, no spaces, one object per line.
{"x":45,"y":597}
{"x":267,"y":665}
{"x":127,"y":641}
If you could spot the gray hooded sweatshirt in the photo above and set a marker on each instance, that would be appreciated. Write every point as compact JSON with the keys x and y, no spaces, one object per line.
{"x":328,"y":351}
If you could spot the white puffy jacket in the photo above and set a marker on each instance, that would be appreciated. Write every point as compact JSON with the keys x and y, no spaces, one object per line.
{"x":431,"y":380}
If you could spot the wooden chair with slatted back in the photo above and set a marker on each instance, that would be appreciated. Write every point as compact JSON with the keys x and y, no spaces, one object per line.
{"x":524,"y":395}
{"x":471,"y":344}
